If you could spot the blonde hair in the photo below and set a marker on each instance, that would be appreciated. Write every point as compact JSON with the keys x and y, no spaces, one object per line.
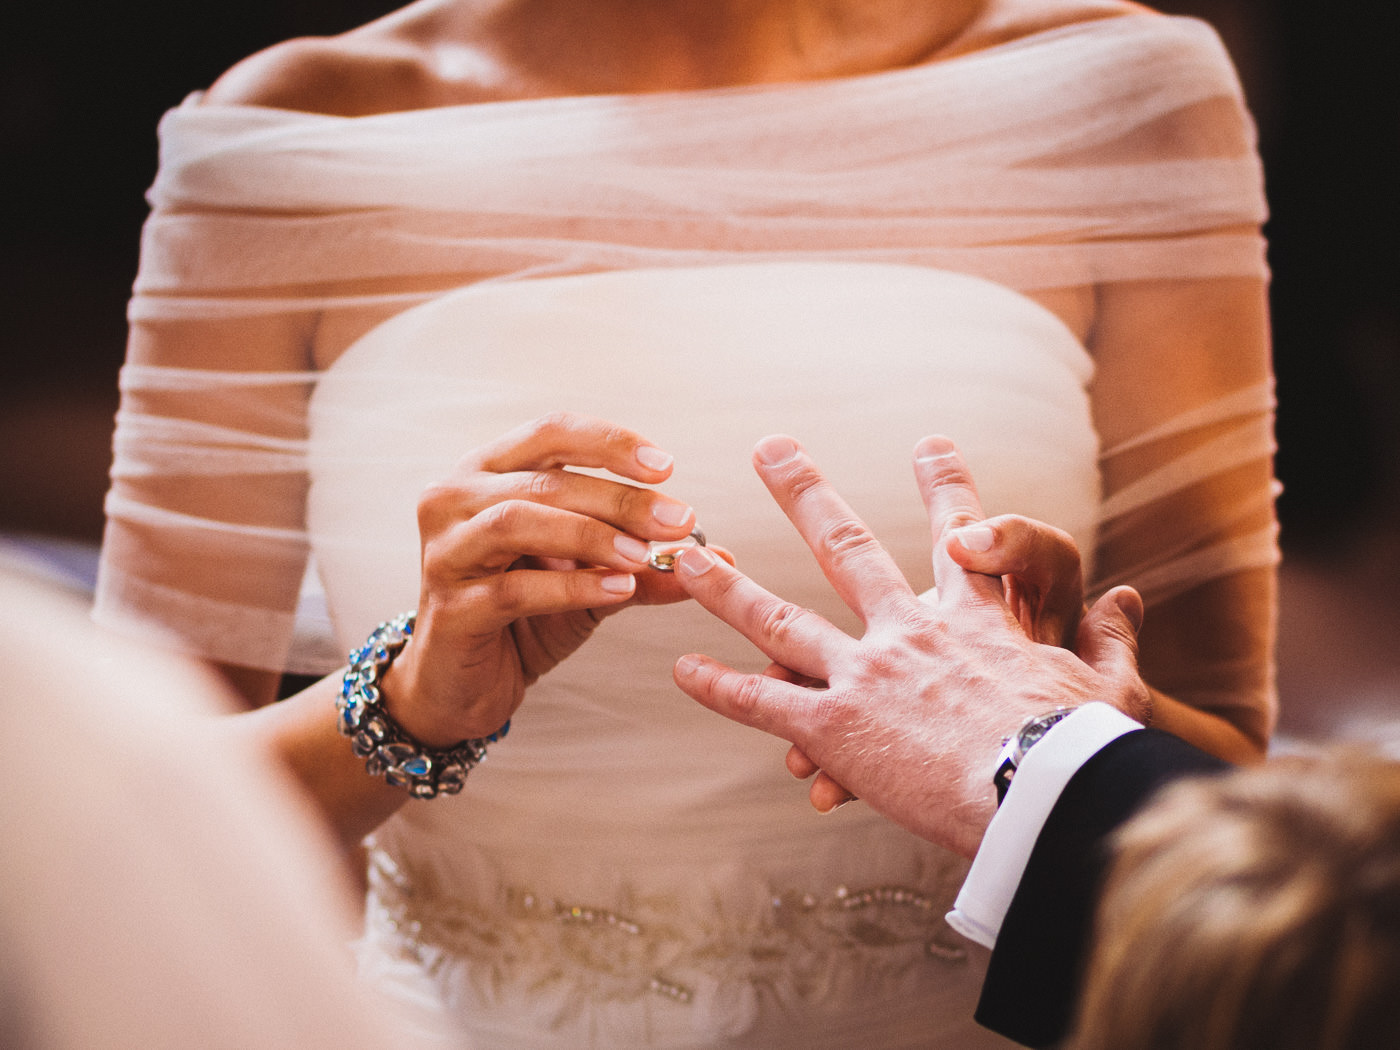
{"x":1256,"y":910}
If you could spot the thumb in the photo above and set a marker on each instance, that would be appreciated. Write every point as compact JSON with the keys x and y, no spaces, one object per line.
{"x":1108,"y":642}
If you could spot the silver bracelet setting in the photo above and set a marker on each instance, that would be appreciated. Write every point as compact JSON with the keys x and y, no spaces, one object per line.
{"x":387,"y":749}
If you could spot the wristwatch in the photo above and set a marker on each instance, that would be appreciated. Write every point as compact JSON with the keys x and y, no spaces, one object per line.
{"x":1014,"y":747}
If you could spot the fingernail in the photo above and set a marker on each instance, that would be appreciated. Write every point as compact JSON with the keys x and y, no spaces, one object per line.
{"x":687,"y":665}
{"x":776,"y":449}
{"x":696,"y":562}
{"x":934,"y":446}
{"x":671,"y":513}
{"x":621,"y":583}
{"x":653,"y":458}
{"x":1131,"y":607}
{"x":632,"y":549}
{"x":977,"y":538}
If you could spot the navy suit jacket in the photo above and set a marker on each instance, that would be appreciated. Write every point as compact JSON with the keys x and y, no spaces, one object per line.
{"x":1033,"y":981}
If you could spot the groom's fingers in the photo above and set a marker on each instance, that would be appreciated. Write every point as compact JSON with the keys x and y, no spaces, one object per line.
{"x":787,"y":634}
{"x":850,"y":556}
{"x":773,"y":706}
{"x":951,"y":500}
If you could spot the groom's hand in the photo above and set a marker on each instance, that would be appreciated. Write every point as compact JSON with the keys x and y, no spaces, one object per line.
{"x":911,"y":715}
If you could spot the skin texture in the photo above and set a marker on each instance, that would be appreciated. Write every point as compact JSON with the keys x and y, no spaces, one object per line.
{"x":910,"y":715}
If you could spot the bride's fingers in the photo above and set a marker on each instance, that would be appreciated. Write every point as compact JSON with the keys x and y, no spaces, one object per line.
{"x":568,"y":439}
{"x":501,"y":535}
{"x":634,"y":510}
{"x":663,"y":588}
{"x":488,"y":603}
{"x":1043,"y":566}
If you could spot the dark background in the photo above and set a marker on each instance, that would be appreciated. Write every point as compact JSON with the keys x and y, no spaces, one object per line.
{"x":82,"y":86}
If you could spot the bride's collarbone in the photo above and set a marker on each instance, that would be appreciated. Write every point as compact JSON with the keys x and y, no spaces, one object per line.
{"x":410,"y":61}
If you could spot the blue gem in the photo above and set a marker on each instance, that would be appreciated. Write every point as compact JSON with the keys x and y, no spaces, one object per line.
{"x":418,"y":766}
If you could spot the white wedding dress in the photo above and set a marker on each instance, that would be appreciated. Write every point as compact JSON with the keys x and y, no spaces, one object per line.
{"x":849,"y":262}
{"x":614,"y":791}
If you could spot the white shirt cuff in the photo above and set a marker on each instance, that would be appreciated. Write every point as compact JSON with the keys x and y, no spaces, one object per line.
{"x":1001,"y":860}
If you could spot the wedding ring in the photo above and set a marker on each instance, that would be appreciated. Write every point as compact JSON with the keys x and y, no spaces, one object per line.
{"x":664,"y":554}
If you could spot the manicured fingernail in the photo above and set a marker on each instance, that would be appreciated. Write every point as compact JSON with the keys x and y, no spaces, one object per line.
{"x":620,"y":583}
{"x":776,"y":449}
{"x":934,"y":447}
{"x":696,"y":562}
{"x":653,"y":458}
{"x":687,"y":665}
{"x":670,"y":513}
{"x":632,"y":549}
{"x":977,"y":538}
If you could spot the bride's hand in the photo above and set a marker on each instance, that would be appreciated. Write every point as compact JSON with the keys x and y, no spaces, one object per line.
{"x":521,"y":558}
{"x":1040,"y":570}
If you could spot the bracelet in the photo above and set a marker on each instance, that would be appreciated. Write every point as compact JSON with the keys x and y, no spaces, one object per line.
{"x":387,"y":749}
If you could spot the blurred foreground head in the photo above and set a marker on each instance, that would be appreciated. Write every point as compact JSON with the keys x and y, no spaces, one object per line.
{"x":1256,"y":910}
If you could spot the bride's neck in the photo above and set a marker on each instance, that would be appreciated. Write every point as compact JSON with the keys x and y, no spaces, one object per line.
{"x":640,"y":45}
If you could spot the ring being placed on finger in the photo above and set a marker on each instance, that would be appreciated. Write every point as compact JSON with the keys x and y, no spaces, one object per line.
{"x":664,"y":553}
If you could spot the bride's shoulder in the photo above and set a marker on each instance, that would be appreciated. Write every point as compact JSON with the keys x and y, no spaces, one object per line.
{"x":332,"y":75}
{"x":383,"y":67}
{"x":1007,"y":20}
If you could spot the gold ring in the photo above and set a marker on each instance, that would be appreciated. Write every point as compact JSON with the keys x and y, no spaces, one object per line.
{"x":664,"y":554}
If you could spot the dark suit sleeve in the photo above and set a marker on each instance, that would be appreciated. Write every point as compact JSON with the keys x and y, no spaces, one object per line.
{"x":1033,"y":980}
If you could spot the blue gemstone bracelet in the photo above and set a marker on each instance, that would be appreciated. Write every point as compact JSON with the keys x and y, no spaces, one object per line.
{"x":388,"y":751}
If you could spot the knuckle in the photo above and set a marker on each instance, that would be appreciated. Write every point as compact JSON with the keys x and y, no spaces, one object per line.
{"x":435,"y":503}
{"x":947,"y":470}
{"x":746,"y":697}
{"x":802,"y":480}
{"x":507,"y":594}
{"x":503,"y":520}
{"x":627,"y":503}
{"x":779,"y":619}
{"x":829,"y":711}
{"x":848,"y":537}
{"x":879,"y":661}
{"x":614,"y":435}
{"x":446,"y":553}
{"x":912,"y":624}
{"x":552,"y":424}
{"x":543,"y":486}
